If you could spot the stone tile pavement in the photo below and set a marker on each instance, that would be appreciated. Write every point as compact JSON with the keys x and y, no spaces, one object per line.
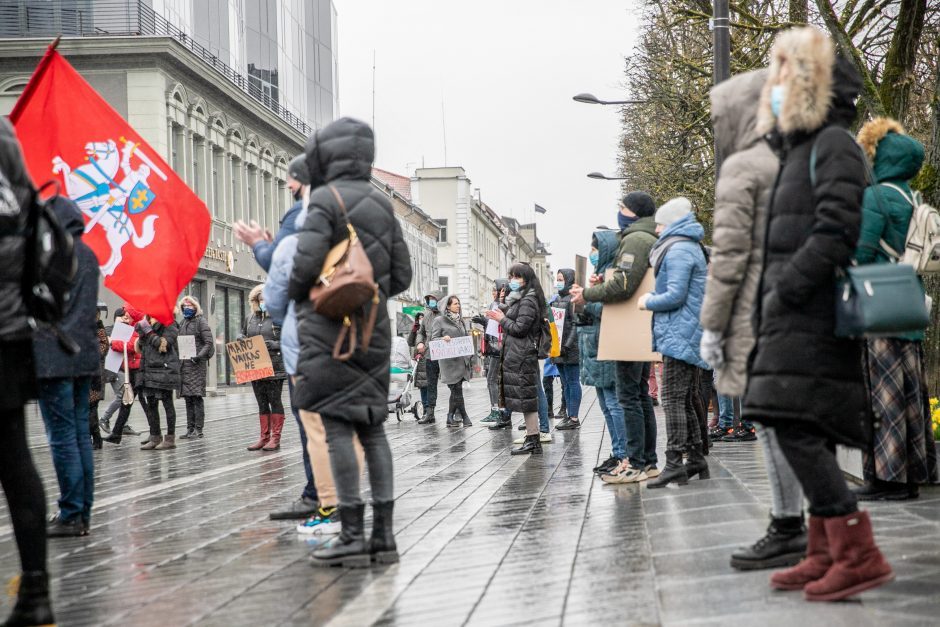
{"x":183,"y":538}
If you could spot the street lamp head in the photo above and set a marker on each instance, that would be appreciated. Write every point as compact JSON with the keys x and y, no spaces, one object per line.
{"x":588,"y":98}
{"x":596,"y":175}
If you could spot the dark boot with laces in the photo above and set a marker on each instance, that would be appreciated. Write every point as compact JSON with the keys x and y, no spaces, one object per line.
{"x":783,"y":545}
{"x":349,"y":549}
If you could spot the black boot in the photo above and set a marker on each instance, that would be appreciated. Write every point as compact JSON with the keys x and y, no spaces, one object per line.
{"x":382,"y":543}
{"x":697,"y":465}
{"x":466,"y":418}
{"x":503,"y":422}
{"x":783,"y":545}
{"x":531,"y":445}
{"x":428,"y":417}
{"x":94,"y":428}
{"x":349,"y":549}
{"x":32,"y":601}
{"x":879,"y":490}
{"x":674,"y":472}
{"x":452,"y":421}
{"x":117,"y":432}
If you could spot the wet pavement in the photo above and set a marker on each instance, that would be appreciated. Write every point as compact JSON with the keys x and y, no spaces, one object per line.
{"x":183,"y":538}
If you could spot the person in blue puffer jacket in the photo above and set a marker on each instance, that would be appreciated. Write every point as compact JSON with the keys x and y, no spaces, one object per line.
{"x":680,"y":266}
{"x":602,"y":374}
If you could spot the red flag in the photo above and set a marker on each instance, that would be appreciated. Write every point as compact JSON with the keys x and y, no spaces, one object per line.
{"x":147,"y":228}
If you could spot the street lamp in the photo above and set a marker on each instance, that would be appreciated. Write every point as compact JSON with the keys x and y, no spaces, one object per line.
{"x":602,"y":177}
{"x":592,"y":99}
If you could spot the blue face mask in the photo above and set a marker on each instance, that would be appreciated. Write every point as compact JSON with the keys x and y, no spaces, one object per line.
{"x":594,"y":258}
{"x":778,"y":94}
{"x":432,"y":304}
{"x":263,"y":307}
{"x":625,"y":221}
{"x":188,"y":312}
{"x":515,"y":285}
{"x":559,"y":285}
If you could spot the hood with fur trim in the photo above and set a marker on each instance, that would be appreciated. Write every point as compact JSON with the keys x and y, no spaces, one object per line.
{"x":254,"y":296}
{"x":734,"y":111}
{"x":810,"y":56}
{"x":895,"y":156}
{"x":193,"y":300}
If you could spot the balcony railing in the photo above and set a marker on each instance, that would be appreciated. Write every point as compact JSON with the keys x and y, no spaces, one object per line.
{"x":123,"y":18}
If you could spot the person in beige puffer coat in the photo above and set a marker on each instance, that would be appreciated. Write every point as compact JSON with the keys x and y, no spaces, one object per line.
{"x":740,"y":224}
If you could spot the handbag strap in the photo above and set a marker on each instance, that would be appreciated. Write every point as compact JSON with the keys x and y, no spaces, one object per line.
{"x":127,"y":367}
{"x":901,"y":191}
{"x":342,"y":208}
{"x":348,"y":331}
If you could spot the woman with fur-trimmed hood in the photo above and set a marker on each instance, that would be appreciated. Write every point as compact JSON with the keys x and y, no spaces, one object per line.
{"x":195,"y":370}
{"x":803,"y":380}
{"x":902,"y":453}
{"x":267,"y":391}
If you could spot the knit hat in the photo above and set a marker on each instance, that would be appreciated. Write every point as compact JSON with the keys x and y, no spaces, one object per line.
{"x":673,"y":210}
{"x":640,"y":203}
{"x":297,"y":170}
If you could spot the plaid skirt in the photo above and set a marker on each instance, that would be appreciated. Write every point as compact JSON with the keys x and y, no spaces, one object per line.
{"x":902,"y":447}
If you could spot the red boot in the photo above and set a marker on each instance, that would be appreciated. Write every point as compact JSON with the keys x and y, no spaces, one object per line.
{"x":277,"y":424}
{"x":265,"y":433}
{"x":858,"y":564}
{"x":813,"y":566}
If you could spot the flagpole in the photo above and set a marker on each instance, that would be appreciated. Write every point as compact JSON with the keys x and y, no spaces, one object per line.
{"x":55,"y":43}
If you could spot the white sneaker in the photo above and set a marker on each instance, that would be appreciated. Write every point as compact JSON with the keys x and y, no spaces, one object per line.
{"x":519,"y":440}
{"x":545,"y":438}
{"x":625,"y":473}
{"x":320,"y":525}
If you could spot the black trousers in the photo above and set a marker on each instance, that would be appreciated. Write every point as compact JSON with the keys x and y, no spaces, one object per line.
{"x":150,"y":400}
{"x":813,"y":458}
{"x":268,"y":394}
{"x":195,"y":412}
{"x":456,"y":399}
{"x":433,"y":370}
{"x":125,"y":411}
{"x":23,"y":488}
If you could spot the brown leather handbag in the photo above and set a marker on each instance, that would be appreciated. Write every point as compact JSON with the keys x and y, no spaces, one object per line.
{"x":347,"y":283}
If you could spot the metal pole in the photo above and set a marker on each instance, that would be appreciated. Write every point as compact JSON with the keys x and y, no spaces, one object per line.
{"x":721,"y":34}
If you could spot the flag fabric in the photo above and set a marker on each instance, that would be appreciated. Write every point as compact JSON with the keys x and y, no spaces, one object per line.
{"x":539,"y":208}
{"x":147,"y":228}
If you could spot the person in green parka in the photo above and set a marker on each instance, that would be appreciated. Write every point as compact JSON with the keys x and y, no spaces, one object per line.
{"x":902,"y":453}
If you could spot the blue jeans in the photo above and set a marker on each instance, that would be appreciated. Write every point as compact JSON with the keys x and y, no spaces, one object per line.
{"x":613,"y":414}
{"x":310,"y":490}
{"x":571,"y":386}
{"x":725,"y":412}
{"x":544,"y":427}
{"x":633,"y":394}
{"x":64,"y":407}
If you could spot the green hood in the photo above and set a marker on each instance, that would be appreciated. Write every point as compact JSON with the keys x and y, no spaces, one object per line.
{"x":898,"y":158}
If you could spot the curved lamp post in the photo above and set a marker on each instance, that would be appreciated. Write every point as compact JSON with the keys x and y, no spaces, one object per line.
{"x":592,"y":99}
{"x":602,"y":177}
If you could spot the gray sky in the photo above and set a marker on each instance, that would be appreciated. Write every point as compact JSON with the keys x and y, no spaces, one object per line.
{"x":506,"y":71}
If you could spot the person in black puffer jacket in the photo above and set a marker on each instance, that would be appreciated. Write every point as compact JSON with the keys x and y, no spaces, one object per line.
{"x":351,"y":396}
{"x":803,"y":380}
{"x":267,"y":391}
{"x":569,"y":361}
{"x":522,"y":324}
{"x":159,"y":377}
{"x":21,"y":483}
{"x":194,"y":371}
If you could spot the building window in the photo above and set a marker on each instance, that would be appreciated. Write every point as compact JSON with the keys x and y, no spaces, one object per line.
{"x":442,"y":237}
{"x":237,"y":197}
{"x":219,"y":208}
{"x":199,"y":182}
{"x":252,"y":178}
{"x":444,"y":284}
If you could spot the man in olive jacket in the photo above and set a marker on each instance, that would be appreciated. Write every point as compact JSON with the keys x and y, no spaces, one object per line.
{"x":637,"y":236}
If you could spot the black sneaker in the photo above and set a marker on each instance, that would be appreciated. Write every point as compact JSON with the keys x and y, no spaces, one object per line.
{"x":741,"y":434}
{"x":568,"y":424}
{"x":608,"y":466}
{"x":715,"y":434}
{"x":58,"y":528}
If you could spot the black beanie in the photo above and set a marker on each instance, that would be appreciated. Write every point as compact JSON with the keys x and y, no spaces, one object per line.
{"x":297,"y":170}
{"x":640,"y":203}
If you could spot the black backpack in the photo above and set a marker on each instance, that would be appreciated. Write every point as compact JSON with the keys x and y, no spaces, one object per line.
{"x":50,"y":265}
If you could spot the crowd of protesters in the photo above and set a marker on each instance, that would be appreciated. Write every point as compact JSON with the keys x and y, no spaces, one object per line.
{"x":744,"y":326}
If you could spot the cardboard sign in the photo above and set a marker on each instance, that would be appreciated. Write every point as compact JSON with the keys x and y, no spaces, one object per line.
{"x":627,"y":332}
{"x":250,"y":359}
{"x":559,"y":320}
{"x":114,"y":359}
{"x":492,"y":327}
{"x":456,"y":347}
{"x":187,"y":346}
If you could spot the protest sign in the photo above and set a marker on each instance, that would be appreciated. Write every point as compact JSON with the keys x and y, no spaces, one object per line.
{"x":250,"y":359}
{"x":187,"y":346}
{"x":121,"y":332}
{"x":559,"y":320}
{"x":456,"y":347}
{"x":626,"y":331}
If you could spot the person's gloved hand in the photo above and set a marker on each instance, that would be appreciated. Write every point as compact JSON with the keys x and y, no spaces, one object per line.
{"x":143,"y":327}
{"x":712,"y":348}
{"x":641,"y":303}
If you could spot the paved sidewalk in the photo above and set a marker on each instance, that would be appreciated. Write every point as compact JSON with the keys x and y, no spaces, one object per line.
{"x":182,"y":538}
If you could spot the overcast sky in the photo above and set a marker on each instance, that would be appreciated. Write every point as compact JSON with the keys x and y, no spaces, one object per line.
{"x":506,"y":71}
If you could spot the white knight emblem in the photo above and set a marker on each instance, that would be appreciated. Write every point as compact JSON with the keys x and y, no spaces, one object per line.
{"x":109,"y":203}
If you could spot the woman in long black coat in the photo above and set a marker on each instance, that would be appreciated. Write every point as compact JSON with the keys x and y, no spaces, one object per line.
{"x":195,"y":370}
{"x":351,"y":396}
{"x":803,"y":380}
{"x":522,"y":325}
{"x":267,"y":391}
{"x":160,"y":377}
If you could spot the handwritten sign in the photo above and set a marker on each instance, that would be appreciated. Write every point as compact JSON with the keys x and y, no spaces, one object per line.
{"x":250,"y":359}
{"x":187,"y":346}
{"x":559,"y":320}
{"x":114,"y":359}
{"x":456,"y":347}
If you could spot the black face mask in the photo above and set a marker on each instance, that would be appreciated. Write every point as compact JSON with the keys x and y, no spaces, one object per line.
{"x":299,"y":194}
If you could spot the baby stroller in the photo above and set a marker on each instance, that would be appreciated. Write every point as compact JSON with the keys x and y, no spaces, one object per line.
{"x":403,"y":370}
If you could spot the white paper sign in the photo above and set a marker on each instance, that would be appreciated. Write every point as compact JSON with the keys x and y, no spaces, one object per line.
{"x":456,"y":347}
{"x":187,"y":346}
{"x":559,"y":320}
{"x":114,"y":359}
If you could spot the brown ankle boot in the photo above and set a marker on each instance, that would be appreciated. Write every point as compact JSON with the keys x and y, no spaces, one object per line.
{"x":169,"y":441}
{"x":152,"y":443}
{"x":813,"y":566}
{"x":858,"y":564}
{"x":277,"y":425}
{"x":265,"y":432}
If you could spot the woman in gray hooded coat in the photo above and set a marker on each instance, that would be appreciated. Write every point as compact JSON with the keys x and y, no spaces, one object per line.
{"x":454,"y":370}
{"x":740,"y":223}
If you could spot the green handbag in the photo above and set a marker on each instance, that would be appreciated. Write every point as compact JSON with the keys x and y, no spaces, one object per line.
{"x":883,"y":299}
